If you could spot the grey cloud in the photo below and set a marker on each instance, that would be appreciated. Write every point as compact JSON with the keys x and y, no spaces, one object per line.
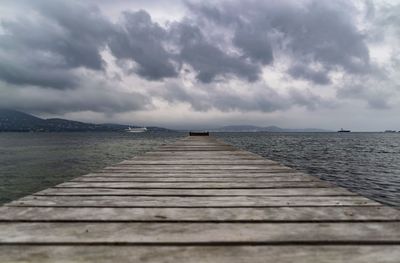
{"x":207,"y":59}
{"x":45,"y":49}
{"x":268,"y":100}
{"x":95,"y":97}
{"x":265,"y":99}
{"x":254,"y":44}
{"x":369,"y":92}
{"x":64,"y":38}
{"x":303,"y":72}
{"x":25,"y":66}
{"x":84,"y":32}
{"x":384,"y":25}
{"x":378,"y":103}
{"x":31,"y":75}
{"x":249,"y":33}
{"x":325,"y":32}
{"x":309,"y":100}
{"x":370,"y":9}
{"x":389,"y":15}
{"x":141,"y":40}
{"x":311,"y":31}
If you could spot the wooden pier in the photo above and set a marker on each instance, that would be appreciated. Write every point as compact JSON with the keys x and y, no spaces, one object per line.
{"x":198,"y":200}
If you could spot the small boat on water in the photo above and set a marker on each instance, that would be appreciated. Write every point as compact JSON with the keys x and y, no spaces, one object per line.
{"x":136,"y":130}
{"x":341,"y":130}
{"x":390,"y":131}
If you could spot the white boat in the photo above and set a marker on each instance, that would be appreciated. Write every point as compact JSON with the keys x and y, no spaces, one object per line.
{"x":136,"y":130}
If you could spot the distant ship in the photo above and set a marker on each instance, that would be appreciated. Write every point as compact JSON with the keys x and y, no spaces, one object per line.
{"x":390,"y":131}
{"x":136,"y":130}
{"x":341,"y":130}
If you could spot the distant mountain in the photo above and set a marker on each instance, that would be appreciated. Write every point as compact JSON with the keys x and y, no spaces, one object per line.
{"x":11,"y":120}
{"x":252,"y":128}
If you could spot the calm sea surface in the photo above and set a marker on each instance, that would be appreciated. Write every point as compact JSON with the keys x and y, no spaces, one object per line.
{"x":368,"y":163}
{"x":30,"y":162}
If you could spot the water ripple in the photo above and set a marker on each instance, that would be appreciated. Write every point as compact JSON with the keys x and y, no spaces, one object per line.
{"x":367,"y":163}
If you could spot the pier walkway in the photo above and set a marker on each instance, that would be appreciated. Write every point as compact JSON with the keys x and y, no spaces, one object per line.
{"x":198,"y":200}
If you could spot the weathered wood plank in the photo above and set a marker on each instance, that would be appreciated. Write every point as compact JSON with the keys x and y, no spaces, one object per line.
{"x":194,"y":171}
{"x":189,"y":170}
{"x":195,"y":254}
{"x":202,"y":233}
{"x":200,"y":176}
{"x":198,"y":185}
{"x":254,"y":214}
{"x":198,"y":201}
{"x":226,"y":167}
{"x":196,"y":192}
{"x":196,"y":175}
{"x":193,"y":155}
{"x":196,"y":179}
{"x":239,"y":161}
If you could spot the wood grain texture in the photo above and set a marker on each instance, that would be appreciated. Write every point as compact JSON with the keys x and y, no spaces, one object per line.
{"x":199,"y":233}
{"x":197,"y":185}
{"x":199,"y":192}
{"x":196,"y":254}
{"x":198,"y":179}
{"x":192,"y":201}
{"x":222,"y":214}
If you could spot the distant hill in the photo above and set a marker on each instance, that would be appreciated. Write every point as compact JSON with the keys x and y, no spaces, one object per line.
{"x":251,"y":128}
{"x":16,"y":121}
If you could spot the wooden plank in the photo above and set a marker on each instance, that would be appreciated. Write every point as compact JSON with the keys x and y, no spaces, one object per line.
{"x":195,"y":254}
{"x":199,"y":233}
{"x":192,"y":171}
{"x":198,"y":192}
{"x":199,"y":185}
{"x":217,"y":158}
{"x":226,"y":167}
{"x":196,"y":175}
{"x":195,"y":171}
{"x":196,"y":179}
{"x":254,"y":214}
{"x":198,"y":201}
{"x":239,"y":161}
{"x":203,"y":153}
{"x":191,"y":157}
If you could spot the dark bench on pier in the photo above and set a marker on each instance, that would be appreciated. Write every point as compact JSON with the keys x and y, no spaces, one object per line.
{"x":199,"y":134}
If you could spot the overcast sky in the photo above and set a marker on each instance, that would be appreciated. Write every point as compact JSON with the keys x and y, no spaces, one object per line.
{"x":200,"y":64}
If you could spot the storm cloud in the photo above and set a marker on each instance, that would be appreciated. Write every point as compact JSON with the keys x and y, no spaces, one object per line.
{"x":315,"y":32}
{"x":245,"y":56}
{"x":139,"y":39}
{"x":206,"y":58}
{"x":43,"y":50}
{"x":319,"y":32}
